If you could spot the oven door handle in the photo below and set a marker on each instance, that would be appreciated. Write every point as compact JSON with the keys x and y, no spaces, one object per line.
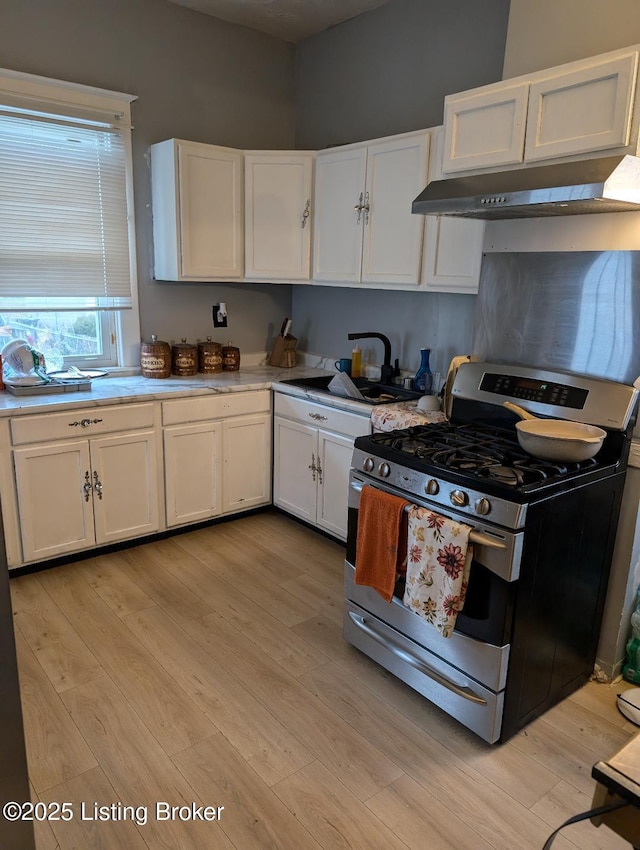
{"x":391,"y":645}
{"x":484,"y":540}
{"x":474,"y":537}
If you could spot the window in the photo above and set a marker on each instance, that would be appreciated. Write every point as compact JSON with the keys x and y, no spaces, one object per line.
{"x":67,"y":259}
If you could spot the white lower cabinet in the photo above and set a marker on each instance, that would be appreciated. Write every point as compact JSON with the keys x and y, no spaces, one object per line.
{"x":73,"y":495}
{"x":312,"y":447}
{"x":217,"y":455}
{"x":81,"y":478}
{"x":192,"y":455}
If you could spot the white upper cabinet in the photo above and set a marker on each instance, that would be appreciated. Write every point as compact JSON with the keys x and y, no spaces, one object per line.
{"x":588,"y":109}
{"x":278,"y":197}
{"x":577,"y":108}
{"x":337,"y":215}
{"x":452,"y":253}
{"x":197,"y":211}
{"x":485,"y":127}
{"x":364,"y":231}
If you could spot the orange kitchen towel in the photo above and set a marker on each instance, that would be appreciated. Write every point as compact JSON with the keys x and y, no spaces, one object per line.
{"x":439,"y":558}
{"x":381,"y":544}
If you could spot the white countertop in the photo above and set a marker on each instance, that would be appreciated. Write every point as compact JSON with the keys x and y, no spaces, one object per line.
{"x":349,"y":404}
{"x":122,"y":390}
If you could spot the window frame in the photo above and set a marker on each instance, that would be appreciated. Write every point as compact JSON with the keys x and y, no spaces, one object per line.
{"x":63,"y":98}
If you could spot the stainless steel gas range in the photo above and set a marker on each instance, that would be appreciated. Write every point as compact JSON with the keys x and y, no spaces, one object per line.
{"x":542,"y":535}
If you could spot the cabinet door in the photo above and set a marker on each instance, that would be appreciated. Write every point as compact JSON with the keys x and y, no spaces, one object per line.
{"x":452,"y":254}
{"x":277,"y":215}
{"x":588,"y":109}
{"x":125,"y":492}
{"x":295,"y":449}
{"x":246,"y":469}
{"x":485,"y":127}
{"x":192,"y":460}
{"x":56,"y":515}
{"x":396,"y":173}
{"x":337,"y":223}
{"x":210,"y":185}
{"x":334,"y":452}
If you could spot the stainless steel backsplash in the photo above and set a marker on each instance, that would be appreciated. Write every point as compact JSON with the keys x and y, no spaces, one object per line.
{"x":578,"y":312}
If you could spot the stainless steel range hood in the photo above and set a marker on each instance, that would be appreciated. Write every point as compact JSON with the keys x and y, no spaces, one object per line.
{"x":607,"y":184}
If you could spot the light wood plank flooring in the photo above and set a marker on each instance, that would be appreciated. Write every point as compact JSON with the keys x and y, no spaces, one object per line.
{"x":210,"y":668}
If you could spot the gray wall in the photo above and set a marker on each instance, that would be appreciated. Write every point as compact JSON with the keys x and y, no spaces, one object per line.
{"x":382,"y":73}
{"x":388,"y":71}
{"x":196,"y":78}
{"x":439,"y":321}
{"x":551,"y":32}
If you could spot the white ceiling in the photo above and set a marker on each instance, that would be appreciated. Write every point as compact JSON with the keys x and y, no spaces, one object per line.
{"x":291,"y":20}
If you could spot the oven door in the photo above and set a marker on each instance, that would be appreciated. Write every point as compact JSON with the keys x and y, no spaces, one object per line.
{"x":464,"y":674}
{"x":488,"y":607}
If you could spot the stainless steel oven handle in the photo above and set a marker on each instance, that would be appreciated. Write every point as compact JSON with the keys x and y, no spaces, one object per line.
{"x":484,"y":540}
{"x":476,"y":537}
{"x":420,"y":666}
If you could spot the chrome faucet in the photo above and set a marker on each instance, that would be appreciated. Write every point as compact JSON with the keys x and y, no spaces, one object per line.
{"x":387,"y":371}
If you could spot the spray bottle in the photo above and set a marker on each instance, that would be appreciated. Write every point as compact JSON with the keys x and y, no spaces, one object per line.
{"x":631,"y":669}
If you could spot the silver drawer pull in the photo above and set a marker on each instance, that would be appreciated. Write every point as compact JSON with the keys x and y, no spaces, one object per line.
{"x":416,"y":663}
{"x":318,"y":417}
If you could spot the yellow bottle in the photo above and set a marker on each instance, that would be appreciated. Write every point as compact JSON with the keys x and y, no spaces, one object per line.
{"x":356,"y":362}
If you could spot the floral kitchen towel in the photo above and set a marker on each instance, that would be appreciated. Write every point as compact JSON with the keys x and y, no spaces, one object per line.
{"x":439,"y":557}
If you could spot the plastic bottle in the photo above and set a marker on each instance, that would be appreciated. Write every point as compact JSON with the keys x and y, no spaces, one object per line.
{"x":631,"y":670}
{"x":423,"y":380}
{"x":356,"y":362}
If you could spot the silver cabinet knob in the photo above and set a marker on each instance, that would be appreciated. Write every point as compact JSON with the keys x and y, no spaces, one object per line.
{"x":483,"y":506}
{"x":384,"y":470}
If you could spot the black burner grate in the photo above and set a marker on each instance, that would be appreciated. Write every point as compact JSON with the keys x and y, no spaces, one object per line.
{"x":477,"y":450}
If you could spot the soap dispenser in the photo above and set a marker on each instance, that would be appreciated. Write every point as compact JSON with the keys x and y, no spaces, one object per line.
{"x":356,"y":362}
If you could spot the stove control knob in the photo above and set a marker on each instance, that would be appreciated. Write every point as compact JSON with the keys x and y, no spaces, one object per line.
{"x":368,"y":464}
{"x":384,"y":470}
{"x":431,"y":487}
{"x":483,"y":506}
{"x":459,"y":498}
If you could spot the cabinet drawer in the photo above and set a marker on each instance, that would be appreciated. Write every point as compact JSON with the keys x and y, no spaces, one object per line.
{"x":80,"y":421}
{"x":217,"y":406}
{"x":327,"y":418}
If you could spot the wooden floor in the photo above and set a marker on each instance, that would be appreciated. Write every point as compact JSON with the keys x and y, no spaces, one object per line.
{"x":210,"y":668}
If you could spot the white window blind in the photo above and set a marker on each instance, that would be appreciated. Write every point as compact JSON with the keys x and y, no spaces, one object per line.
{"x":64,"y":228}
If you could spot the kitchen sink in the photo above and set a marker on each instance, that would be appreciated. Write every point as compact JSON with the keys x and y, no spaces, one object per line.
{"x":374,"y":392}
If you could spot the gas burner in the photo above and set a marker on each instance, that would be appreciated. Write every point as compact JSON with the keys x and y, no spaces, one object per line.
{"x":480,"y":451}
{"x":505,"y":475}
{"x":544,"y":468}
{"x":466,"y":461}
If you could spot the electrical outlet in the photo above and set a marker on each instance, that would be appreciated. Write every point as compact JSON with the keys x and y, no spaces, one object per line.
{"x":219,"y":318}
